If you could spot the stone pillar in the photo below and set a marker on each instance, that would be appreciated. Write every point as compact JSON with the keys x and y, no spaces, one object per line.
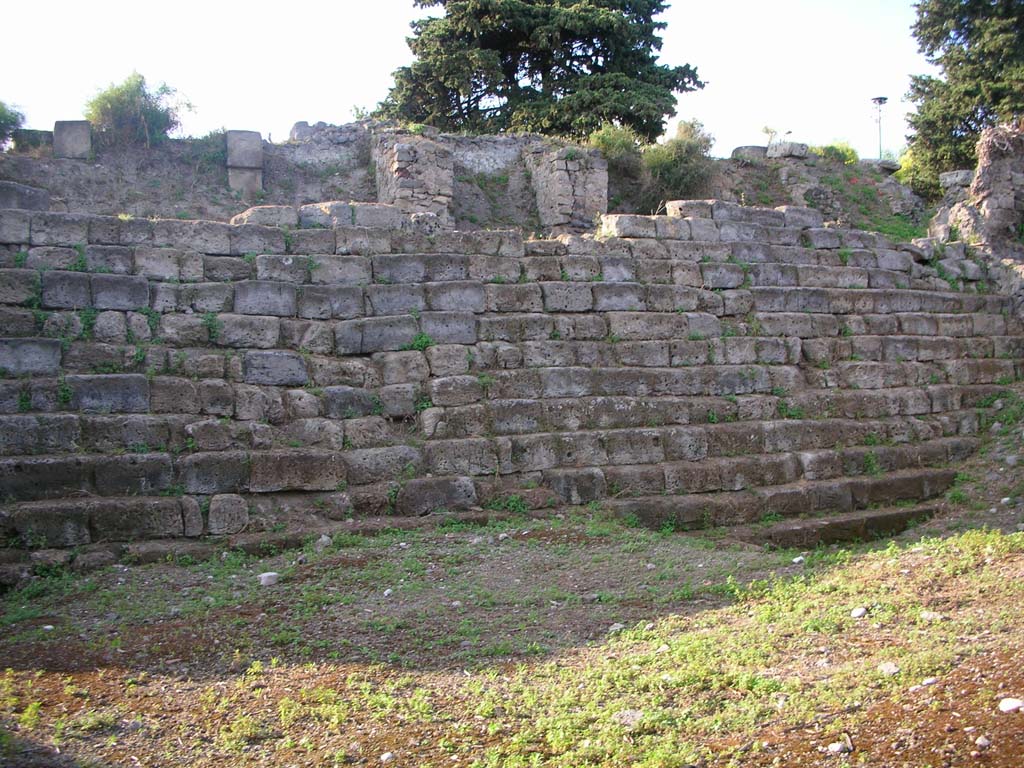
{"x":72,"y":139}
{"x":416,"y":175}
{"x":570,"y":184}
{"x":245,"y":162}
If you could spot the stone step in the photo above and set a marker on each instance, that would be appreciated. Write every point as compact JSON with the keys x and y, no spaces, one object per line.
{"x":859,"y":526}
{"x":704,"y":510}
{"x":921,"y":348}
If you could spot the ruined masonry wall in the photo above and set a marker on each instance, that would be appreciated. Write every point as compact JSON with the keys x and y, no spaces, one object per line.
{"x":166,"y":379}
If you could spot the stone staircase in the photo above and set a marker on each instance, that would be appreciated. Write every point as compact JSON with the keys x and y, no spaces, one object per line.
{"x":717,"y":366}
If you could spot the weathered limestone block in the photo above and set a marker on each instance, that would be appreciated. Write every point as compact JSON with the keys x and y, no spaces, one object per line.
{"x":119,"y":292}
{"x":59,"y":229}
{"x":112,"y":393}
{"x":264,"y":297}
{"x":372,"y":465}
{"x":30,"y":357}
{"x":301,"y":470}
{"x":14,"y":225}
{"x":435,"y":495}
{"x":229,"y":514}
{"x":344,"y":402}
{"x":23,"y":196}
{"x":268,"y":215}
{"x":277,"y":368}
{"x":67,"y":290}
{"x":52,"y":523}
{"x":210,"y":473}
{"x":786,"y":149}
{"x":72,"y":139}
{"x":136,"y":474}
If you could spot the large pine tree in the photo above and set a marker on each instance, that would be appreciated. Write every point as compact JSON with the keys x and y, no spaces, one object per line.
{"x":979,"y":46}
{"x":558,"y":67}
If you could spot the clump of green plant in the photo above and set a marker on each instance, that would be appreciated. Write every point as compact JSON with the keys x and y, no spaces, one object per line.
{"x":839,"y":151}
{"x":652,"y":173}
{"x":511,"y":503}
{"x":130,"y":113}
{"x":419,"y":343}
{"x":10,"y":121}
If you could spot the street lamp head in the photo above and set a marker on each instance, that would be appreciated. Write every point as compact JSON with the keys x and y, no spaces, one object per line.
{"x":879,"y":100}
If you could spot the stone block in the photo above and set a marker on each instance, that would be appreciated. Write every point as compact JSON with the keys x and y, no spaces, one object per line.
{"x":66,"y":290}
{"x":245,"y":149}
{"x":296,"y":471}
{"x":21,"y":196}
{"x":269,"y":215}
{"x":614,"y":297}
{"x":133,"y":474}
{"x":287,"y":268}
{"x":30,"y":357}
{"x":796,"y":216}
{"x":53,"y":524}
{"x":207,"y":237}
{"x":209,"y":473}
{"x":14,"y":225}
{"x":449,"y":327}
{"x":228,"y":514}
{"x":226,"y":268}
{"x":436,"y":495}
{"x":628,"y":225}
{"x":263,"y":297}
{"x":255,"y":238}
{"x":344,"y":402}
{"x":59,"y":229}
{"x":455,"y":390}
{"x":113,"y":393}
{"x":376,"y":216}
{"x":576,"y":486}
{"x":465,"y":296}
{"x":567,"y":297}
{"x":395,"y":299}
{"x":18,"y":286}
{"x":373,"y":465}
{"x":330,"y":215}
{"x":447,"y":360}
{"x":403,"y":367}
{"x":72,"y":139}
{"x":786,"y":149}
{"x":112,"y":259}
{"x":276,"y":368}
{"x":312,"y":241}
{"x":38,"y":434}
{"x":45,"y":477}
{"x":119,"y":292}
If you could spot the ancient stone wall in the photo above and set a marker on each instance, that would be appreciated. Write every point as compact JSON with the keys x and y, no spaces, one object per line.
{"x":176,"y":379}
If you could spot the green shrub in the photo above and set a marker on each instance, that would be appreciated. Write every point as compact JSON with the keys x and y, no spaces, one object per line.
{"x":839,"y":151}
{"x":680,"y":167}
{"x":10,"y":121}
{"x":130,"y":113}
{"x":619,"y":144}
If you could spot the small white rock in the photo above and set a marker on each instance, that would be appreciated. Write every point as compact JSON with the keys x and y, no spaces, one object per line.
{"x":616,"y":627}
{"x":387,"y":757}
{"x":322,"y":543}
{"x":888,"y":668}
{"x":798,"y":559}
{"x":387,"y":593}
{"x":650,"y":566}
{"x":1010,"y":704}
{"x":858,"y":613}
{"x":268,"y":579}
{"x":930,"y":681}
{"x":982,"y":742}
{"x":502,"y":536}
{"x":1005,"y":500}
{"x":839,"y":748}
{"x":47,"y":627}
{"x":931,"y":616}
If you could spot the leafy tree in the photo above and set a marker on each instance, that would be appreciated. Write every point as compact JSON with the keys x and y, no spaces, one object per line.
{"x":10,"y":121}
{"x":130,"y":113}
{"x":979,"y":46}
{"x":557,"y":67}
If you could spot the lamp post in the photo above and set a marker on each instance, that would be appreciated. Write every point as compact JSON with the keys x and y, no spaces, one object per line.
{"x":878,"y":101}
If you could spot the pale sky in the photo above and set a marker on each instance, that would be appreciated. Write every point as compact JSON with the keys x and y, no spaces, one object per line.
{"x":806,"y":66}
